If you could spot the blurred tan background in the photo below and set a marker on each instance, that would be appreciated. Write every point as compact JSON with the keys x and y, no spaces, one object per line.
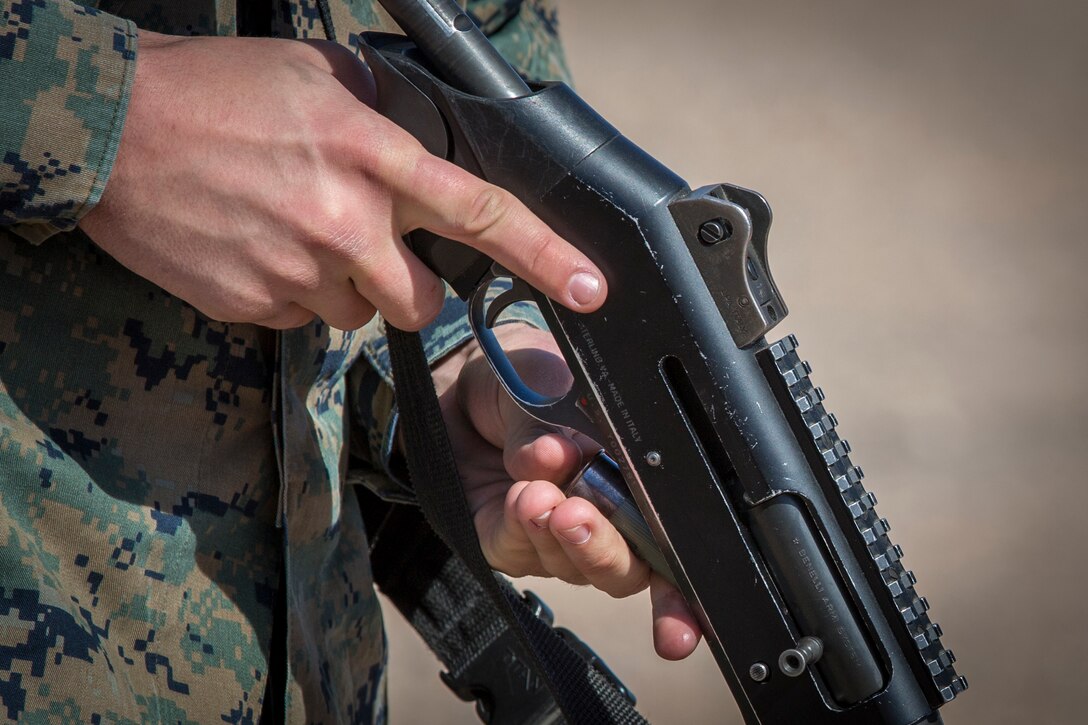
{"x":928,"y":164}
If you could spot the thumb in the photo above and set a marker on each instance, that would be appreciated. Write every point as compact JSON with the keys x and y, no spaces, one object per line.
{"x":538,"y":451}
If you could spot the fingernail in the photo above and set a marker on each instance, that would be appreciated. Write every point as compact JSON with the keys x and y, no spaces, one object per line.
{"x":542,"y":520}
{"x":576,"y":535}
{"x":584,"y":287}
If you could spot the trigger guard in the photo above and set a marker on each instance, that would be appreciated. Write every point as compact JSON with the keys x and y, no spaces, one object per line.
{"x":518,"y":292}
{"x":561,"y":410}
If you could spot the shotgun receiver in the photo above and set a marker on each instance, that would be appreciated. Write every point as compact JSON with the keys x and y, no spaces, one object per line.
{"x":719,"y":437}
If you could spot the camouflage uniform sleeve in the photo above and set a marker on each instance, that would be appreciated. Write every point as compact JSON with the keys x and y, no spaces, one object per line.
{"x":68,"y":72}
{"x":526,"y":32}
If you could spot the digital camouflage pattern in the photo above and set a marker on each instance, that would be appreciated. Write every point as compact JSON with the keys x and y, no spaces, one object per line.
{"x":66,"y":71}
{"x":157,"y":467}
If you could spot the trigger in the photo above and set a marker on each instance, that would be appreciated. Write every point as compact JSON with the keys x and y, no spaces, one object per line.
{"x":518,"y":292}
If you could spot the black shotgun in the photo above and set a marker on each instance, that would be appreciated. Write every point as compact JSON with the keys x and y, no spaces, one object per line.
{"x":718,"y":436}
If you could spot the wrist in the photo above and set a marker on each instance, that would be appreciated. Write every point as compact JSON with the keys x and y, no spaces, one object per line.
{"x":141,"y":96}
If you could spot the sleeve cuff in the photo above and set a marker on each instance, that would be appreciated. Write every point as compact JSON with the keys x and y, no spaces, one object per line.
{"x":60,"y":126}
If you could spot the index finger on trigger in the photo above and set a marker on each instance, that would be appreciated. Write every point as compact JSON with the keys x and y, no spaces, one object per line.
{"x":453,"y":203}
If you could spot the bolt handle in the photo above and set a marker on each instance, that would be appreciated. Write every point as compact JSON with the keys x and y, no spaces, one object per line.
{"x":794,"y":661}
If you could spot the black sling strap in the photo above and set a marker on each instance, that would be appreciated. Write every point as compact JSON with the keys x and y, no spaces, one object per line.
{"x":469,"y":615}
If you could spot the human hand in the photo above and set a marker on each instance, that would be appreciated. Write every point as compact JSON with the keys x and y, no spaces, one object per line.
{"x":508,"y":461}
{"x":254,"y":181}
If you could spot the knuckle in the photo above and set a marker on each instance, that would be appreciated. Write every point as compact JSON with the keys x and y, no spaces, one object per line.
{"x":628,"y":586}
{"x":405,"y":320}
{"x":332,"y":229}
{"x":424,"y":308}
{"x":215,"y":307}
{"x":515,"y":565}
{"x":289,"y":320}
{"x":354,"y":319}
{"x":486,"y":211}
{"x":217,"y":313}
{"x":251,"y":308}
{"x":304,"y":278}
{"x":361,"y":318}
{"x":433,"y":300}
{"x":561,"y":569}
{"x":601,"y":564}
{"x":393,"y":158}
{"x":519,"y":570}
{"x":411,"y":323}
{"x":323,"y":136}
{"x":537,"y":248}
